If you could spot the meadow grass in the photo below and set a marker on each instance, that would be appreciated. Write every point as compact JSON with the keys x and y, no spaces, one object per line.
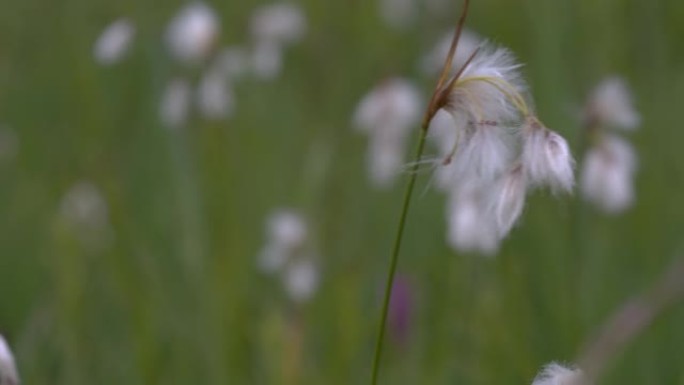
{"x":177,"y":298}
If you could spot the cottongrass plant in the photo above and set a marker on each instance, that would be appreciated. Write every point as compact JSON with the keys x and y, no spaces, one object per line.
{"x":272,"y":28}
{"x":84,"y":211}
{"x":288,"y":253}
{"x":192,"y":37}
{"x":500,"y":144}
{"x":610,"y":164}
{"x":114,"y":42}
{"x":387,"y":114}
{"x":556,"y":374}
{"x":8,"y":368}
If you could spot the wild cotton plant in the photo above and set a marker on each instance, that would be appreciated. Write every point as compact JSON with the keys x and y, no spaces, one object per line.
{"x":556,"y":374}
{"x":607,"y":178}
{"x":386,"y":114}
{"x":494,"y":149}
{"x":272,"y":28}
{"x":8,"y":368}
{"x":287,"y":252}
{"x":498,"y":144}
{"x":114,"y":42}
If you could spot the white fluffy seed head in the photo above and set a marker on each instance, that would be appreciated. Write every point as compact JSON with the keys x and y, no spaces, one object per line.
{"x":546,"y":158}
{"x":279,"y":24}
{"x":287,"y":228}
{"x":486,"y":89}
{"x":8,"y":368}
{"x":510,"y":199}
{"x":301,"y":280}
{"x":215,"y":98}
{"x":175,"y":104}
{"x":387,"y":114}
{"x":555,"y":374}
{"x":610,"y":104}
{"x":470,"y":225}
{"x":433,"y":61}
{"x":608,"y":175}
{"x":394,"y":105}
{"x":114,"y":42}
{"x":192,"y":33}
{"x":484,"y":152}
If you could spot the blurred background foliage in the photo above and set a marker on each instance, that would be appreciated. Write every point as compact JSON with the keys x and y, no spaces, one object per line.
{"x":176,"y":296}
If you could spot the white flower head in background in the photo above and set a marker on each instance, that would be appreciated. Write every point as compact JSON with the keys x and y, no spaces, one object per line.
{"x":215,"y":98}
{"x":85,"y":211}
{"x":175,"y":103}
{"x":555,"y":374}
{"x":281,"y":24}
{"x":496,"y":142}
{"x":301,"y":280}
{"x":8,"y":368}
{"x":84,"y":206}
{"x":192,"y":33}
{"x":388,"y":114}
{"x":287,"y":252}
{"x":398,"y":14}
{"x":608,"y":174}
{"x":610,"y":105}
{"x":610,"y":164}
{"x":432,"y":62}
{"x":114,"y":42}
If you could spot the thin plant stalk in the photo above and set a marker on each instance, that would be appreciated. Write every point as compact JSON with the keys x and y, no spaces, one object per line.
{"x":437,"y":101}
{"x":395,"y":254}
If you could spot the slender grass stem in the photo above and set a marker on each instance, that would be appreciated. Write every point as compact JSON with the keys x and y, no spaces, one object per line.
{"x":395,"y":254}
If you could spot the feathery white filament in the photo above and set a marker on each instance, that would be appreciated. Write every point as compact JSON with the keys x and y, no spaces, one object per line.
{"x":547,"y":159}
{"x":555,"y":374}
{"x":511,"y":199}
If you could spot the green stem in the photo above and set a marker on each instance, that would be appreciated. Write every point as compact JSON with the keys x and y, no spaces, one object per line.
{"x":395,"y":254}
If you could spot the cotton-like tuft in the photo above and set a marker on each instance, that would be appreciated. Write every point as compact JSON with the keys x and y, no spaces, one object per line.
{"x":387,"y":114}
{"x":175,"y":104}
{"x":192,"y":33}
{"x":547,"y":159}
{"x":279,"y":24}
{"x":114,"y":42}
{"x":607,"y":178}
{"x":510,"y":200}
{"x":611,"y":105}
{"x":555,"y":374}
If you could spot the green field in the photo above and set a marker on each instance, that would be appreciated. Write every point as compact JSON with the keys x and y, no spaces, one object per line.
{"x":168,"y":290}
